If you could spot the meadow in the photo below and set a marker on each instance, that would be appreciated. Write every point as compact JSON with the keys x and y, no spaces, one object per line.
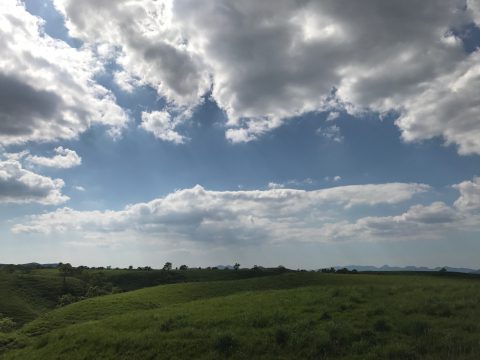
{"x":248,"y":314}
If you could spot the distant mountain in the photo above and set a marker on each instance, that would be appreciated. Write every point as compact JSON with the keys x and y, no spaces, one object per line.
{"x":35,"y":265}
{"x":224,"y":267}
{"x":406,"y":268}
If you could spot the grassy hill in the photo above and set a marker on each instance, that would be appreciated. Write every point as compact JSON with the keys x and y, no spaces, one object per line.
{"x":290,"y":316}
{"x":24,"y":296}
{"x":28,"y":294}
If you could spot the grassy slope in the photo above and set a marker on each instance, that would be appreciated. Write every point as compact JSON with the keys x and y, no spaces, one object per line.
{"x":25,"y":296}
{"x":299,"y":315}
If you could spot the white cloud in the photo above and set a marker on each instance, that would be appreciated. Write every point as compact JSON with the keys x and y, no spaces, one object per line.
{"x":200,"y":215}
{"x":64,"y":159}
{"x":333,"y":115}
{"x":335,"y":178}
{"x":420,"y":221}
{"x":18,"y":185}
{"x":469,"y":195}
{"x":449,"y":106}
{"x":268,"y":61}
{"x":161,"y":124}
{"x":79,"y":188}
{"x":274,"y":185}
{"x":47,"y":88}
{"x":474,"y":6}
{"x":332,"y":133}
{"x":291,"y":183}
{"x":126,"y":81}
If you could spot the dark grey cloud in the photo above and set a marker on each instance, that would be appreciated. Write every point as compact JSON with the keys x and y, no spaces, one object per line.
{"x":22,"y":105}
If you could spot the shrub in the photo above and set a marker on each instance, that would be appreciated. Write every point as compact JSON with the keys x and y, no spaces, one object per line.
{"x":66,"y":299}
{"x":225,"y":344}
{"x":281,"y":337}
{"x":260,"y":322}
{"x":381,"y":325}
{"x":6,"y":324}
{"x":417,"y":328}
{"x":325,"y":316}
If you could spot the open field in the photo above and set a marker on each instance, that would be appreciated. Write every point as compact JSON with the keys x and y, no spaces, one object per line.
{"x":289,"y":316}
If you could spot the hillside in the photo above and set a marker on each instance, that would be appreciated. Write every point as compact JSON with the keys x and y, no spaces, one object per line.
{"x":27,"y":293}
{"x":291,"y":316}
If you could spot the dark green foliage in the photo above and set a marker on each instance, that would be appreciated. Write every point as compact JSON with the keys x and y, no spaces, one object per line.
{"x":225,"y":344}
{"x":281,"y":337}
{"x":381,"y":325}
{"x":66,"y":299}
{"x":6,"y":324}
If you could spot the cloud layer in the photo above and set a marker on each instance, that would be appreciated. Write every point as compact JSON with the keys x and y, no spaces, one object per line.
{"x":199,"y":215}
{"x":265,"y":62}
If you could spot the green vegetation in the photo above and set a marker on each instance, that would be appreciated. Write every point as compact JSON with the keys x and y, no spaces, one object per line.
{"x":28,"y":292}
{"x":293,"y":315}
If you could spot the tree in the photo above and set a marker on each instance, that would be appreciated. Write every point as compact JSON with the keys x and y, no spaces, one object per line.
{"x":236,"y":266}
{"x":65,"y":270}
{"x":183,"y":267}
{"x":130,"y":267}
{"x":167,"y":266}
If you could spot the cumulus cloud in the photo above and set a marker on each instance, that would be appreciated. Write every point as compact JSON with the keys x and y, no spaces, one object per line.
{"x":47,"y":88}
{"x":201,"y":215}
{"x":64,"y":159}
{"x":419,"y":221}
{"x":18,"y":185}
{"x":161,"y":124}
{"x":152,"y":50}
{"x":469,"y":195}
{"x":266,"y":62}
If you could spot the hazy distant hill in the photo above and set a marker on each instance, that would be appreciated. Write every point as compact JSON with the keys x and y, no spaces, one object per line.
{"x":406,"y":268}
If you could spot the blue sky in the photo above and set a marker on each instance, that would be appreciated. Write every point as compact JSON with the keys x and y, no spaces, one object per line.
{"x":337,"y":151}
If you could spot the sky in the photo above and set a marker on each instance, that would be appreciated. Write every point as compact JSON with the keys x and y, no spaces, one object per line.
{"x":299,"y":133}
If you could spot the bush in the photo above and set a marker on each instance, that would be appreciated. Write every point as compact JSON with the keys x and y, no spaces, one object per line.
{"x":417,"y":328}
{"x":381,"y":325}
{"x":94,"y":291}
{"x":325,"y":316}
{"x":6,"y":324}
{"x":282,"y":337}
{"x":225,"y":344}
{"x":66,"y":299}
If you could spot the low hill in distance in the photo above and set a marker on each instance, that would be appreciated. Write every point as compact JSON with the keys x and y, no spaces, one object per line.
{"x":407,"y":268}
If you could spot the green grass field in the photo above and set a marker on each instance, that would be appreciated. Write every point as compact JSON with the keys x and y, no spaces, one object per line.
{"x":290,"y":316}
